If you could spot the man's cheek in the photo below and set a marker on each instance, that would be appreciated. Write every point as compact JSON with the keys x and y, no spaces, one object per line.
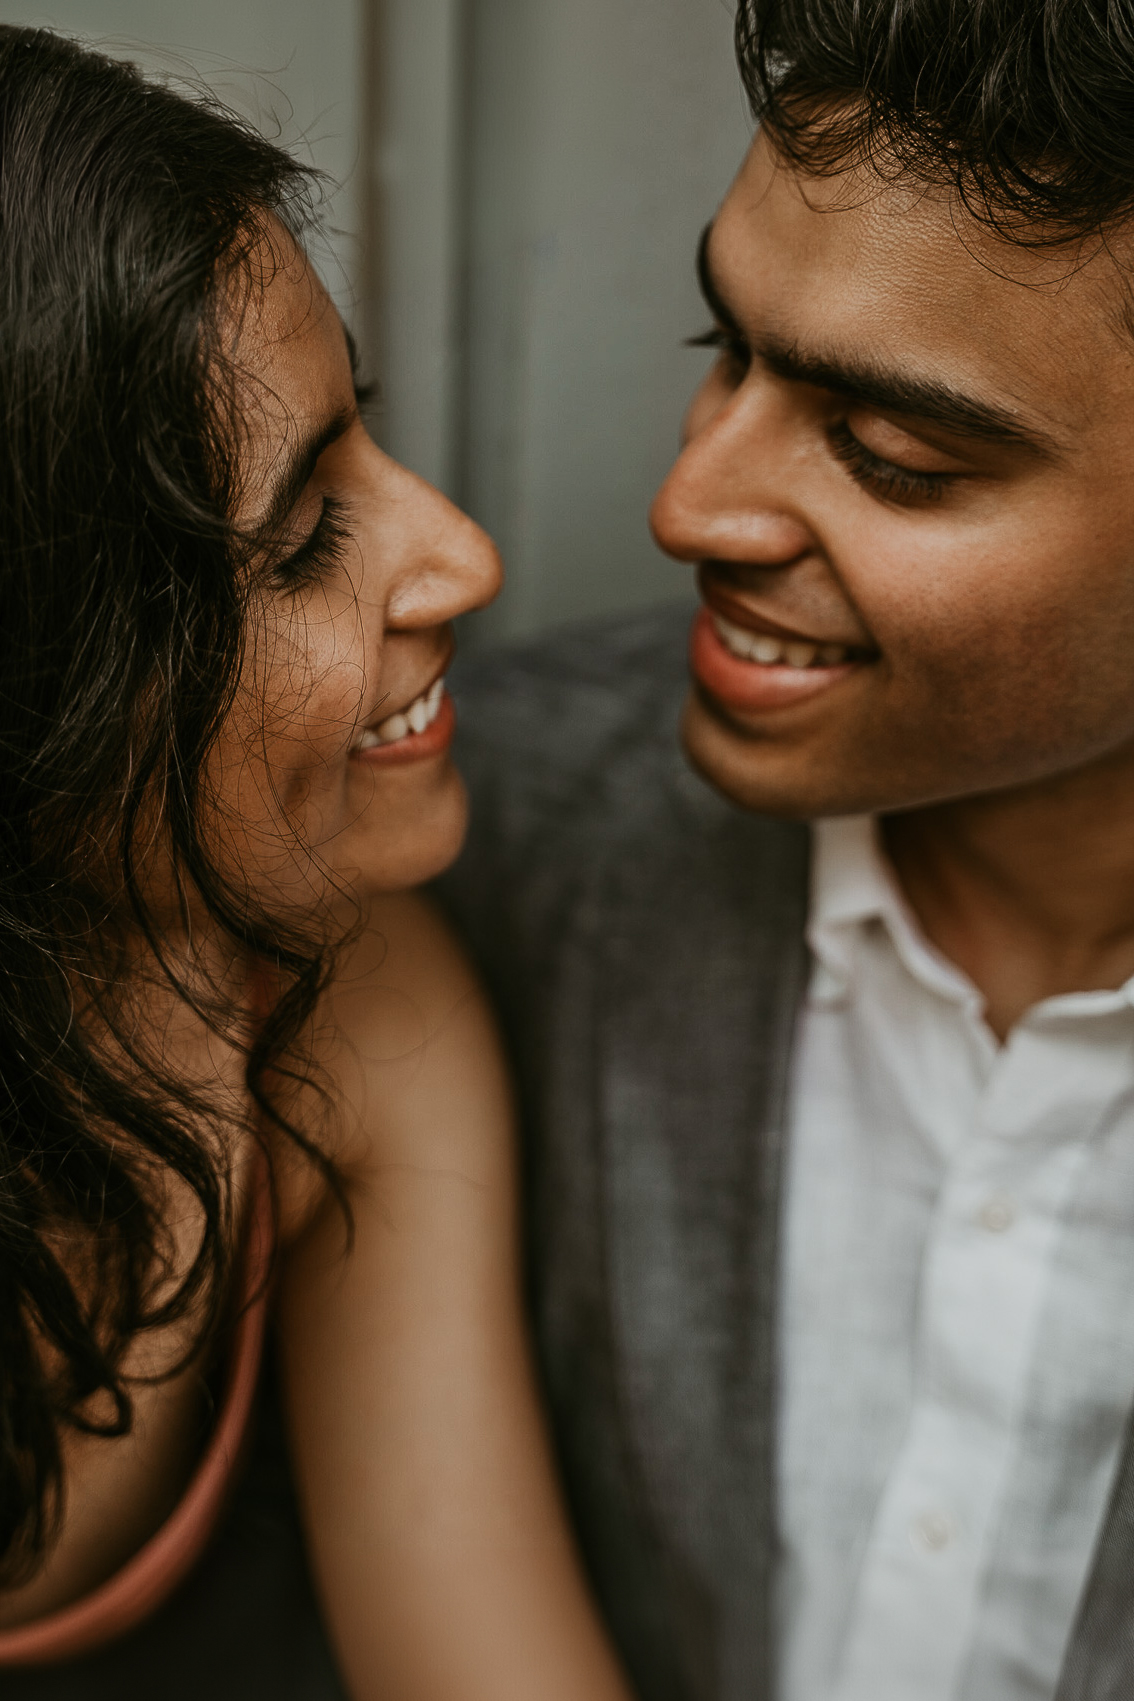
{"x":1016,"y":697}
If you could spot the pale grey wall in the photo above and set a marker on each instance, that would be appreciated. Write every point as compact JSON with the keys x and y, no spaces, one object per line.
{"x":417,"y":168}
{"x":297,"y":66}
{"x":576,"y":159}
{"x":606,"y":133}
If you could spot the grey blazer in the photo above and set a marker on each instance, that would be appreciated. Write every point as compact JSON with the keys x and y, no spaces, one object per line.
{"x":644,"y":940}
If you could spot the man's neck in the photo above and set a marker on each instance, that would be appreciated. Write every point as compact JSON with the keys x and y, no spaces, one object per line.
{"x":1030,"y":892}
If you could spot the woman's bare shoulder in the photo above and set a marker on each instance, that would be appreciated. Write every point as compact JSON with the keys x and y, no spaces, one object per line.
{"x":404,"y":1059}
{"x":405,"y":956}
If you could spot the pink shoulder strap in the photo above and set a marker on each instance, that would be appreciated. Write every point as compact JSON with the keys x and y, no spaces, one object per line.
{"x":154,"y":1572}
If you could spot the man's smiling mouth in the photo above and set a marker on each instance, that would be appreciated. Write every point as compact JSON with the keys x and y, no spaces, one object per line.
{"x":748,"y":669}
{"x":759,"y":636}
{"x":770,"y":651}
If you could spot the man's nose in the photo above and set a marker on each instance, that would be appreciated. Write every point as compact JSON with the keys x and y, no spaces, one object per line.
{"x":729,"y":495}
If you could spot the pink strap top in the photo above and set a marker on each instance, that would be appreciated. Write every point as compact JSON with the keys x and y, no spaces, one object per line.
{"x":154,"y":1572}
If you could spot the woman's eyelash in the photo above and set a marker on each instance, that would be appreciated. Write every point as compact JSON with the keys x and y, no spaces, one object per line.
{"x":885,"y":478}
{"x":320,"y":551}
{"x":726,"y":341}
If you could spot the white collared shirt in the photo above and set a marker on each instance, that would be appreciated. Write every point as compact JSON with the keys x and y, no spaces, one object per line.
{"x":957,"y":1329}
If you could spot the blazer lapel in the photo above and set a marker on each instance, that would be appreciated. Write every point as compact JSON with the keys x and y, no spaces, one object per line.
{"x":1100,"y":1658}
{"x":703,"y":967}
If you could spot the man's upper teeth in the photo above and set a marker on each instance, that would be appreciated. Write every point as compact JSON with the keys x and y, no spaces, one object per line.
{"x":418,"y":718}
{"x":771,"y":652}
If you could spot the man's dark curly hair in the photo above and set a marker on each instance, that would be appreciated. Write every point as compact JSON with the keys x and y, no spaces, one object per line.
{"x":1025,"y":107}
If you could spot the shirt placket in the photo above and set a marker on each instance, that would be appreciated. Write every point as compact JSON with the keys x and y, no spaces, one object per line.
{"x":988,"y":1260}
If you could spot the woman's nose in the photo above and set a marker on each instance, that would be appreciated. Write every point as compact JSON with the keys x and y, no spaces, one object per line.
{"x":729,"y":495}
{"x":448,"y":565}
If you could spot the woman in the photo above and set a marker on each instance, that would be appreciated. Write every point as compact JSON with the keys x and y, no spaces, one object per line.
{"x":232,"y":1055}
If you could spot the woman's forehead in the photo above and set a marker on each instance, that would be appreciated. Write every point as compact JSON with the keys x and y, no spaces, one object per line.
{"x":282,"y":303}
{"x":293,"y":362}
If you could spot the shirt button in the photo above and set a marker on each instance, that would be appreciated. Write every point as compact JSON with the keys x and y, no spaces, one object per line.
{"x":932,"y":1532}
{"x":996,"y":1216}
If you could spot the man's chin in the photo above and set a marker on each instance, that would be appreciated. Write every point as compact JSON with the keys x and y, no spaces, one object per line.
{"x":762,"y":775}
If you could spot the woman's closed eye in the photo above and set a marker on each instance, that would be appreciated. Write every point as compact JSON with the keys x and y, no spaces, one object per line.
{"x":727,"y":341}
{"x":319,"y":553}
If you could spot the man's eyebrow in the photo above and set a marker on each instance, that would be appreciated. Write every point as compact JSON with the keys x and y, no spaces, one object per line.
{"x":926,"y":399}
{"x":298,"y":465}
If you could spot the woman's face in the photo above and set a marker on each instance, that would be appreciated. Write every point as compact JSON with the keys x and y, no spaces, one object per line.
{"x":335,"y":757}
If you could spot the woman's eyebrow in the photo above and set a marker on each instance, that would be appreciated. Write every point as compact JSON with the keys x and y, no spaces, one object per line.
{"x":721,"y":312}
{"x":298,"y":464}
{"x":365,"y":389}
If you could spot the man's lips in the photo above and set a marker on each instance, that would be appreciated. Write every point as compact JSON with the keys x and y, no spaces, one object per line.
{"x":718,"y":587}
{"x":795,"y":672}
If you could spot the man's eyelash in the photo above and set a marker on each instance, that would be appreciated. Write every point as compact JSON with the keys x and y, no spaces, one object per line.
{"x":885,"y":478}
{"x":320,"y":551}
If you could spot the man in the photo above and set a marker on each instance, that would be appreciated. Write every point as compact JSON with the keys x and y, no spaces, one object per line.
{"x":828,"y":1065}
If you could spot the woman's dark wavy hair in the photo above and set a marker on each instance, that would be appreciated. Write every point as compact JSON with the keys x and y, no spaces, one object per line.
{"x":125,"y":211}
{"x":1025,"y":107}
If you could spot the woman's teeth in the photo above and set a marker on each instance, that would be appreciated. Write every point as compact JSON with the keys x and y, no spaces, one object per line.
{"x":778,"y":652}
{"x":418,"y":718}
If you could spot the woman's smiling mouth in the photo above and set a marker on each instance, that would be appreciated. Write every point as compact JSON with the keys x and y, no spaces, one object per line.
{"x":417,"y":718}
{"x":423,"y":728}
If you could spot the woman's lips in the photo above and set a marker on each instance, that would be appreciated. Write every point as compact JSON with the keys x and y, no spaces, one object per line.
{"x":414,"y":746}
{"x":744,"y":684}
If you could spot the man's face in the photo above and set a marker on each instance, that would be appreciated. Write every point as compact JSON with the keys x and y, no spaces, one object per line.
{"x":915,"y":452}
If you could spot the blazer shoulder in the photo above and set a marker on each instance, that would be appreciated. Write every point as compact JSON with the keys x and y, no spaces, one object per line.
{"x":571,"y":748}
{"x":546,"y":726}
